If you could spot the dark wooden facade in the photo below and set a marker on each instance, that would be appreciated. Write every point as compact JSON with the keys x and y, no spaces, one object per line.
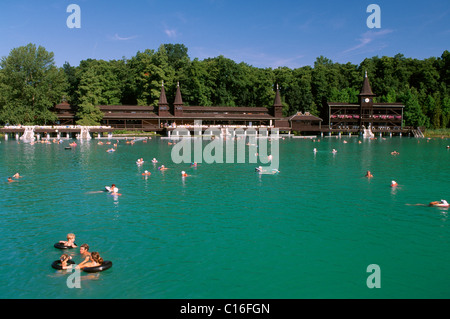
{"x":148,"y":118}
{"x":342,"y":117}
{"x":379,"y":117}
{"x":305,"y":123}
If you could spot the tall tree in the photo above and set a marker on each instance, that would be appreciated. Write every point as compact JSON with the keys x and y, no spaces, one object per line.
{"x":30,"y":85}
{"x":413,"y":111}
{"x":89,"y":92}
{"x":445,"y":112}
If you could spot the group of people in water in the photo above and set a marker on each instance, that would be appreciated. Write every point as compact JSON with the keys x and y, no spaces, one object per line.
{"x":370,"y":175}
{"x":113,"y":190}
{"x":140,"y":161}
{"x":89,"y":259}
{"x":394,"y":184}
{"x":16,"y":176}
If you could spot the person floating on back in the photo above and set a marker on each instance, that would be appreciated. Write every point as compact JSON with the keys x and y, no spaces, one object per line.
{"x":113,"y":189}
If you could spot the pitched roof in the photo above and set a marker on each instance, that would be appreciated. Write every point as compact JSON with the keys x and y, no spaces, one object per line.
{"x":299,"y":116}
{"x":226,"y":116}
{"x":123,"y":115}
{"x":130,"y":108}
{"x":396,"y":104}
{"x":342,"y":104}
{"x":178,"y":99}
{"x":162,"y":97}
{"x":238,"y":109}
{"x":277,"y":101}
{"x":366,"y":89}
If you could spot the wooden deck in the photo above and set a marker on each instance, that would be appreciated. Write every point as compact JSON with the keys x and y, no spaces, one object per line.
{"x":376,"y":130}
{"x":64,"y":131}
{"x":54,"y":130}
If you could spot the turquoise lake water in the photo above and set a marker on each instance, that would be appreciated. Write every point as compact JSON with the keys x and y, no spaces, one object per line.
{"x":225,"y":231}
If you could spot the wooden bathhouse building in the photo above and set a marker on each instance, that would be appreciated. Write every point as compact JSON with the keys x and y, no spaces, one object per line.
{"x":366,"y":116}
{"x":166,"y":118}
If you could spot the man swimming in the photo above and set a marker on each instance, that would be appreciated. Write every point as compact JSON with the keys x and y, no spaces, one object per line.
{"x":113,"y":189}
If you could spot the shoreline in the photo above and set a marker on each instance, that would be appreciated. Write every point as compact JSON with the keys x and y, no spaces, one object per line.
{"x":439,"y":133}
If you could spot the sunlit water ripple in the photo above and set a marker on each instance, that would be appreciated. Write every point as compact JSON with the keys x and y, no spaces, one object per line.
{"x":225,"y":231}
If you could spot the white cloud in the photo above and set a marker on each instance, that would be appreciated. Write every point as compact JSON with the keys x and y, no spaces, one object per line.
{"x":367,"y":38}
{"x":119,"y":38}
{"x":170,"y":33}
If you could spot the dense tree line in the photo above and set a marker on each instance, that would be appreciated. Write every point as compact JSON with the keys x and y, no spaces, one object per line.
{"x":30,"y":84}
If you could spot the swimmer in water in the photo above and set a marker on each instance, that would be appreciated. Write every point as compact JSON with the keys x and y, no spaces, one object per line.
{"x":146,"y":173}
{"x":183,"y":174}
{"x":441,"y":203}
{"x":70,"y":241}
{"x":394,"y":184}
{"x":10,"y":180}
{"x":16,"y":175}
{"x":64,"y":259}
{"x":154,"y":160}
{"x":95,"y":260}
{"x":369,"y":174}
{"x":113,"y":189}
{"x":84,"y":252}
{"x":162,"y":168}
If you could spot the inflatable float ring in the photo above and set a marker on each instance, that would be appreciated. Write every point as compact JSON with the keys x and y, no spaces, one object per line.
{"x":62,"y":246}
{"x":57,"y":264}
{"x":104,"y":266}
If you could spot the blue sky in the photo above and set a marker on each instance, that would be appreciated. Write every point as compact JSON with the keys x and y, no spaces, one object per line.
{"x":261,"y":33}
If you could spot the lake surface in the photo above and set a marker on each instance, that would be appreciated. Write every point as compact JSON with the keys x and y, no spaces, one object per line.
{"x":226,"y":231}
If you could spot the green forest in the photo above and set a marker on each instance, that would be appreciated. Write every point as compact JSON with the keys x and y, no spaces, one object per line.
{"x":31,"y":84}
